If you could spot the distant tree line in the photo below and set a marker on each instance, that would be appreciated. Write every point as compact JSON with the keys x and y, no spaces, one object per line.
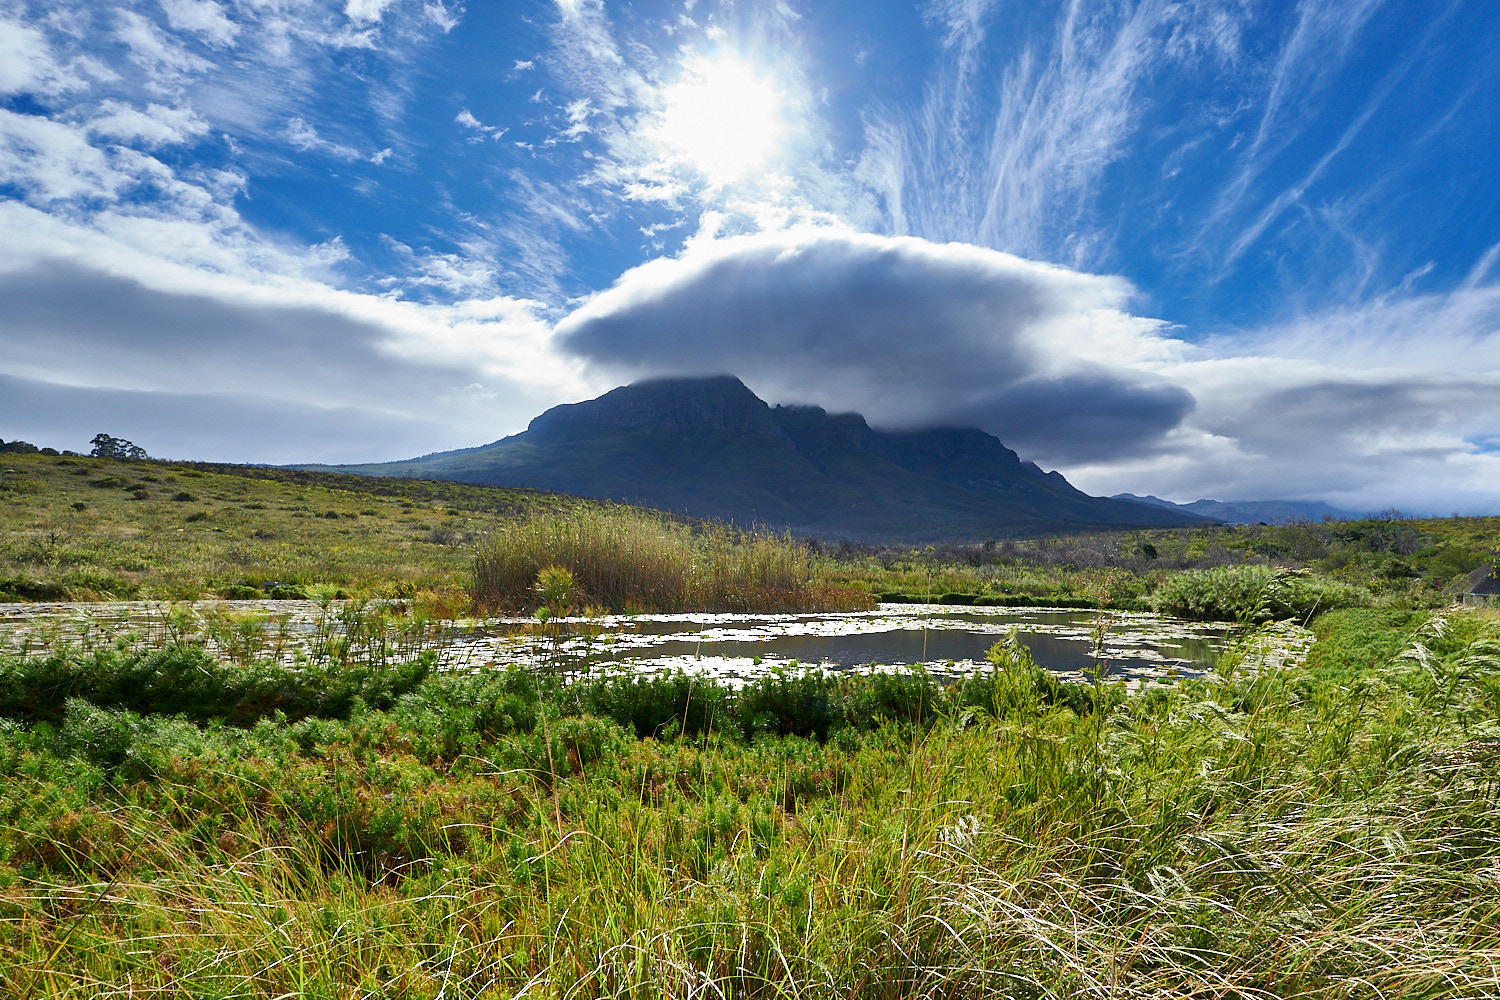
{"x":105,"y":446}
{"x":27,"y":448}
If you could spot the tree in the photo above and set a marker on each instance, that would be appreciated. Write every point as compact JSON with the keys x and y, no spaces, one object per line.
{"x":113,"y":447}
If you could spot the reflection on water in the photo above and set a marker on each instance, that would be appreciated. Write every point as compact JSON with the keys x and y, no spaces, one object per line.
{"x":942,"y":638}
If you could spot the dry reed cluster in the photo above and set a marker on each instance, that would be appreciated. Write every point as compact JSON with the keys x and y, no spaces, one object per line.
{"x":636,"y":561}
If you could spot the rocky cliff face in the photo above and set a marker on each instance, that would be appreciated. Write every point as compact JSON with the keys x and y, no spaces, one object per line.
{"x":708,"y":447}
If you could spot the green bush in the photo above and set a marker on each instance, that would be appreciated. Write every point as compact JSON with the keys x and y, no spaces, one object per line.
{"x":1252,"y":594}
{"x":191,"y":683}
{"x":787,"y":704}
{"x":905,"y":697}
{"x":242,"y":592}
{"x":657,"y":704}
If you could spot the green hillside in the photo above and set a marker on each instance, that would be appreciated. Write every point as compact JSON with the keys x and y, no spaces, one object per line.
{"x":84,"y":528}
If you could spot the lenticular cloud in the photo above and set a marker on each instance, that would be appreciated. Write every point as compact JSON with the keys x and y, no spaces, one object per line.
{"x":908,"y":332}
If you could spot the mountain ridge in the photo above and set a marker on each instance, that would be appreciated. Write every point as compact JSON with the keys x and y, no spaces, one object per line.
{"x":709,"y":447}
{"x":1248,"y":511}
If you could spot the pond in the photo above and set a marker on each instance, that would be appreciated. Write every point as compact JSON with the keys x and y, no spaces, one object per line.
{"x":944,"y":639}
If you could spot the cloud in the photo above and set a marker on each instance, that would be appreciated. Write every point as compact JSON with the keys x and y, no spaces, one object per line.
{"x":203,"y":17}
{"x":908,"y":332}
{"x":211,"y":427}
{"x":366,"y":11}
{"x":480,"y":130}
{"x":1390,"y":402}
{"x":26,"y":61}
{"x":75,"y":325}
{"x":165,"y":62}
{"x":1361,"y":439}
{"x":1010,"y":152}
{"x":50,"y":161}
{"x":446,"y":18}
{"x":72,"y":331}
{"x":156,"y":125}
{"x":304,"y":137}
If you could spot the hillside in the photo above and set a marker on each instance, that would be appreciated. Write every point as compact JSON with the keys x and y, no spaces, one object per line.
{"x":81,"y":528}
{"x":710,"y":448}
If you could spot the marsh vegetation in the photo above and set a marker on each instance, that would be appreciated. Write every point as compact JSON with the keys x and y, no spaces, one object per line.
{"x":217,"y":802}
{"x":93,"y":528}
{"x":1321,"y":829}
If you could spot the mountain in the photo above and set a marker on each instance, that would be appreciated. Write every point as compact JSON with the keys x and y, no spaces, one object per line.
{"x":708,"y":447}
{"x":1248,"y":511}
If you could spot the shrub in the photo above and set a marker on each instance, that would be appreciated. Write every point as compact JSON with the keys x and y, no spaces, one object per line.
{"x":191,"y":683}
{"x":1015,"y":685}
{"x":658,"y":704}
{"x":1252,"y":594}
{"x":785,"y":704}
{"x":905,"y":697}
{"x":242,"y":592}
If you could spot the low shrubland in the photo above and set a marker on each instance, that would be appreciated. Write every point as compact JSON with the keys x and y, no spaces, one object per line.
{"x":1393,"y":562}
{"x":92,"y":529}
{"x":96,"y":529}
{"x":1328,"y":830}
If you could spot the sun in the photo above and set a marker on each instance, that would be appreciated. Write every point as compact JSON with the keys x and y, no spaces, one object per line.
{"x":721,"y":118}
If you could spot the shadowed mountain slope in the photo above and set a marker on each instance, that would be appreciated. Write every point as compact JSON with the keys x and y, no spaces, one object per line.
{"x":709,"y":447}
{"x":1250,"y":511}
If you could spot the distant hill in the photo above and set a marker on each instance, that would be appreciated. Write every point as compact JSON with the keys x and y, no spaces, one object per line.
{"x":708,"y":447}
{"x":1248,"y":511}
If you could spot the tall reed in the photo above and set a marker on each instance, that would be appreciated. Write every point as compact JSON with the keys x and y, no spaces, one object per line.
{"x":637,"y":561}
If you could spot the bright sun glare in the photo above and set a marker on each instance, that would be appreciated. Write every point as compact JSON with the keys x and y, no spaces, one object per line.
{"x":721,"y":118}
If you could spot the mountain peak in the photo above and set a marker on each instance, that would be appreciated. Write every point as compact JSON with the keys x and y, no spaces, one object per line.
{"x":709,"y":447}
{"x":671,"y":406}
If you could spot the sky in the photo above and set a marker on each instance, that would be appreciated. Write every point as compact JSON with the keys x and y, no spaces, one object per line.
{"x":1197,"y":248}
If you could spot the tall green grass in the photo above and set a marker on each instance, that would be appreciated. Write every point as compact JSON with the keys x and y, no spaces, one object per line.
{"x":637,"y":561}
{"x":1287,"y":833}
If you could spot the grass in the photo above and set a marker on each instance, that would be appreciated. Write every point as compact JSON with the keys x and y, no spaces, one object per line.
{"x":633,"y":560}
{"x":88,"y":529}
{"x":1390,"y":563}
{"x":1321,"y":831}
{"x":85,"y":529}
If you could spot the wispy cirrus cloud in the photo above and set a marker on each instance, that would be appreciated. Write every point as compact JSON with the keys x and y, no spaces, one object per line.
{"x":1008,"y":147}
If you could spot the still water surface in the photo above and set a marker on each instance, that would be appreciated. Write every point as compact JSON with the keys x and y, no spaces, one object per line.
{"x":942,"y":638}
{"x":734,"y":647}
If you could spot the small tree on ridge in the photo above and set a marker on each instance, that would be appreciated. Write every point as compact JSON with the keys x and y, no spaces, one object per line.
{"x":113,"y":447}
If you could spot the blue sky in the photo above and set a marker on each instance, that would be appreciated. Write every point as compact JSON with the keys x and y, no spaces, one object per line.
{"x":1194,"y":248}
